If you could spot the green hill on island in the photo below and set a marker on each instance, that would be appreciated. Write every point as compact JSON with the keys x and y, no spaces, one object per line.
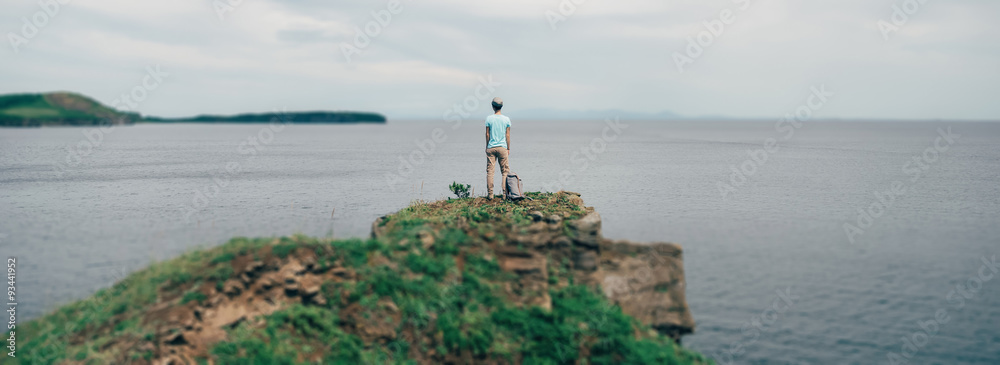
{"x":71,"y":109}
{"x":58,"y":108}
{"x":456,"y":281}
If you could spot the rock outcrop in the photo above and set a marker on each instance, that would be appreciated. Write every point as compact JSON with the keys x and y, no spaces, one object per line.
{"x":456,"y":282}
{"x":645,"y":280}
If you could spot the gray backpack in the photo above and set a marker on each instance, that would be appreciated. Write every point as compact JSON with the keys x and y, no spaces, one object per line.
{"x":513,"y":183}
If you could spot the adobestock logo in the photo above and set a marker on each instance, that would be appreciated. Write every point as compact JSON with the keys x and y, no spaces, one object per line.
{"x":38,"y":21}
{"x":225,"y":6}
{"x":900,"y":16}
{"x":253,"y":146}
{"x":915,"y":169}
{"x":455,"y":116}
{"x":911,"y":343}
{"x":565,"y":9}
{"x":152,"y":80}
{"x":786,"y":127}
{"x":582,"y":158}
{"x":713,"y":30}
{"x":94,"y":137}
{"x":752,"y":330}
{"x":363,"y":36}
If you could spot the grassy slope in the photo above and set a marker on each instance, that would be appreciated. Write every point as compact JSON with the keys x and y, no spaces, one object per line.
{"x":443,"y":313}
{"x":55,"y":109}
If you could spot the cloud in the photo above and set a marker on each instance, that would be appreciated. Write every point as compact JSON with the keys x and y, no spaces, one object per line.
{"x":604,"y":55}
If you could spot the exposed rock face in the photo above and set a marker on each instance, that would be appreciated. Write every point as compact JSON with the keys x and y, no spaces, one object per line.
{"x":262,"y":287}
{"x":645,"y":280}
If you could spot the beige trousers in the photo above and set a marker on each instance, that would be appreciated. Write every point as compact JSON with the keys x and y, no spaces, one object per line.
{"x":493,"y":155}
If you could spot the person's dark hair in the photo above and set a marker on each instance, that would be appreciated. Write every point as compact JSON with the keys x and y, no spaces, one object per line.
{"x":497,"y":107}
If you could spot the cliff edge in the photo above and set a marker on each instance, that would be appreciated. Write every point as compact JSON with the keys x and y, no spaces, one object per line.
{"x":456,"y":281}
{"x":645,"y":280}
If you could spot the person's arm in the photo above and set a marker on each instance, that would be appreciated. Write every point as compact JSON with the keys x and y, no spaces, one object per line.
{"x":487,"y":137}
{"x":508,"y":140}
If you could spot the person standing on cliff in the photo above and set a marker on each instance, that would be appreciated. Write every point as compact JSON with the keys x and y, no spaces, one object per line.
{"x":497,"y":146}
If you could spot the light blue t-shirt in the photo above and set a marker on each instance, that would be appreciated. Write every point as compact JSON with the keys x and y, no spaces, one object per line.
{"x":498,"y":130}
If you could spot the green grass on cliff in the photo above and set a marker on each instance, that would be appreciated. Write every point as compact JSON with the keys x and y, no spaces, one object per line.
{"x":436,"y":311}
{"x":483,"y":216}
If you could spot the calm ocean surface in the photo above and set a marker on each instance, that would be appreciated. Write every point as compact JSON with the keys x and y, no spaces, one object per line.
{"x":77,"y":223}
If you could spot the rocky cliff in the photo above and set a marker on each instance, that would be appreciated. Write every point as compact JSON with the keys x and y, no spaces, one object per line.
{"x":645,"y":280}
{"x":456,"y":281}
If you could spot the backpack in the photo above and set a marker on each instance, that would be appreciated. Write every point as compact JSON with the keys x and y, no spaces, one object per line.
{"x":513,"y":183}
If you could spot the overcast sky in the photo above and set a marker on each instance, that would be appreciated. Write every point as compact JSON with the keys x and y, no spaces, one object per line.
{"x":943,"y":62}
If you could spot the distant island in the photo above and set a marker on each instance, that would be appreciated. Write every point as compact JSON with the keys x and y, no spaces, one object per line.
{"x":72,"y":109}
{"x":58,"y":109}
{"x":293,"y":117}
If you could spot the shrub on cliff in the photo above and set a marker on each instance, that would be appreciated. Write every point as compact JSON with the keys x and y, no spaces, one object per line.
{"x":460,"y":191}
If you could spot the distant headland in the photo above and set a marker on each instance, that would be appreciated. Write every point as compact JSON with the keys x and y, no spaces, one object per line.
{"x":58,"y":109}
{"x":71,"y":109}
